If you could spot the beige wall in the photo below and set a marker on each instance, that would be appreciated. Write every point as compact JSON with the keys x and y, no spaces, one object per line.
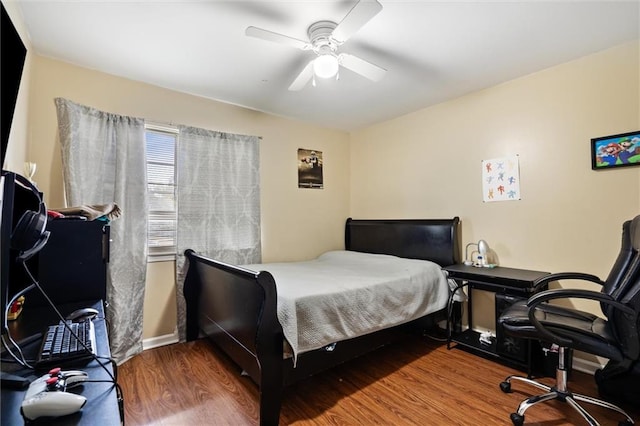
{"x":160,"y":315}
{"x":289,"y":215}
{"x":428,"y":164}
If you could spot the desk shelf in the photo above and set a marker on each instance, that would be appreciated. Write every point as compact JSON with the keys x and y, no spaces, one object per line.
{"x":471,"y":339}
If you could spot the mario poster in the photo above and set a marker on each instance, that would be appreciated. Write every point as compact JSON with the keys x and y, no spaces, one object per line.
{"x":501,"y":179}
{"x":615,"y":151}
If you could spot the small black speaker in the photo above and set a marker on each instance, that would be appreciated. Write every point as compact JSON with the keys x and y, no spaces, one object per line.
{"x":514,"y":348}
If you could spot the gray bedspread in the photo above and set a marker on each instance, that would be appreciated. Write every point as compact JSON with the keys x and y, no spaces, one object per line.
{"x":346,"y":294}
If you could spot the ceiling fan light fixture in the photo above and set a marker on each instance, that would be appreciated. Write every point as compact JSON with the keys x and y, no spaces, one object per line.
{"x":326,"y":66}
{"x":324,"y":39}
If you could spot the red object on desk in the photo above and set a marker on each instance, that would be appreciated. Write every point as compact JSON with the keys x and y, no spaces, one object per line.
{"x":16,"y":309}
{"x":54,"y":215}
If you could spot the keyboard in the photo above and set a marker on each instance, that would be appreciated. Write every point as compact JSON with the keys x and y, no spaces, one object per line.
{"x":60,"y":347}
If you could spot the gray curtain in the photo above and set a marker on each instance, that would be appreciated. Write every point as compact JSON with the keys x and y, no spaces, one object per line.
{"x":218,"y":193}
{"x":104,"y":161}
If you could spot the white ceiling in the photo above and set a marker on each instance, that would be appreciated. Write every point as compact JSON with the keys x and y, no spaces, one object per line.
{"x":433,"y":50}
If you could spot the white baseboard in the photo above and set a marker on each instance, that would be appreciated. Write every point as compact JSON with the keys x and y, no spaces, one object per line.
{"x":585,"y":366}
{"x":155,"y":342}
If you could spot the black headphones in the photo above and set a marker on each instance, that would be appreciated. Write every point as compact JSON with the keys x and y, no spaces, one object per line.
{"x":30,"y":234}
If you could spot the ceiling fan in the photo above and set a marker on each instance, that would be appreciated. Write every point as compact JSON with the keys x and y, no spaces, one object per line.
{"x":325,"y":37}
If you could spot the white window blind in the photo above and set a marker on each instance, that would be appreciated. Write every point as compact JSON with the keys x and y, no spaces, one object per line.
{"x":161,"y":149}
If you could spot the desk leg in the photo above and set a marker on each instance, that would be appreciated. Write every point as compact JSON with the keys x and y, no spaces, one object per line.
{"x":456,"y":317}
{"x":454,"y":313}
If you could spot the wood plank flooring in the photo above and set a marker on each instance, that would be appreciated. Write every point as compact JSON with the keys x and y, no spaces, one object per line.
{"x":415,"y":382}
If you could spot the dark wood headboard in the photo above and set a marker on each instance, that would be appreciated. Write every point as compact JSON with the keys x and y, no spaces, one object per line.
{"x":437,"y":240}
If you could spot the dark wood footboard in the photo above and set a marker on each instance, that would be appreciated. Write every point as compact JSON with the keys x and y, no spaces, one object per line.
{"x":237,"y":308}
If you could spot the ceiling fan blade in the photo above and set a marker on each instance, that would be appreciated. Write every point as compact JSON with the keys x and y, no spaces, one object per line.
{"x":303,"y":78}
{"x":277,"y":38}
{"x":362,"y":67}
{"x":361,"y":13}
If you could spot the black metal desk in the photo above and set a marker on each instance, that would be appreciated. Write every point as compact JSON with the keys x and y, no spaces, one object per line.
{"x":507,"y":284}
{"x":102,"y":402}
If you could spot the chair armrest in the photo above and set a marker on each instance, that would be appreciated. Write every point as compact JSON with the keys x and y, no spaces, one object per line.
{"x":566,"y":276}
{"x":563,"y":293}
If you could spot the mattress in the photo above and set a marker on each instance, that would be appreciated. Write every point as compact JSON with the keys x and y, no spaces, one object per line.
{"x":346,"y":294}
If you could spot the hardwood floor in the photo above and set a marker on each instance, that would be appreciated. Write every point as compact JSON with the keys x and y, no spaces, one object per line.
{"x":415,"y":382}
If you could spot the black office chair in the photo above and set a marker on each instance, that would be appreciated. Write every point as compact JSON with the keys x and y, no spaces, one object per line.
{"x":615,"y":337}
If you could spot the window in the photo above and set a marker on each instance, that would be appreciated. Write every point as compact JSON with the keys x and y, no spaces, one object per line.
{"x":161,"y":154}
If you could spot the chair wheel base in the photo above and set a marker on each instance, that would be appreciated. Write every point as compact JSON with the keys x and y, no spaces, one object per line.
{"x":517,"y":419}
{"x":505,"y":387}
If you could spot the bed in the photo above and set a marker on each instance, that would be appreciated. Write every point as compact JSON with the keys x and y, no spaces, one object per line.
{"x":237,"y":306}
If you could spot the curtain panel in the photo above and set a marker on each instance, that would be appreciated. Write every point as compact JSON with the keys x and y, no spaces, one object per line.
{"x":218,"y":194}
{"x":104,"y":161}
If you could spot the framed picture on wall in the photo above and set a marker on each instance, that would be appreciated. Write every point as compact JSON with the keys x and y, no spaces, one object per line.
{"x":310,"y":165}
{"x":615,"y":151}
